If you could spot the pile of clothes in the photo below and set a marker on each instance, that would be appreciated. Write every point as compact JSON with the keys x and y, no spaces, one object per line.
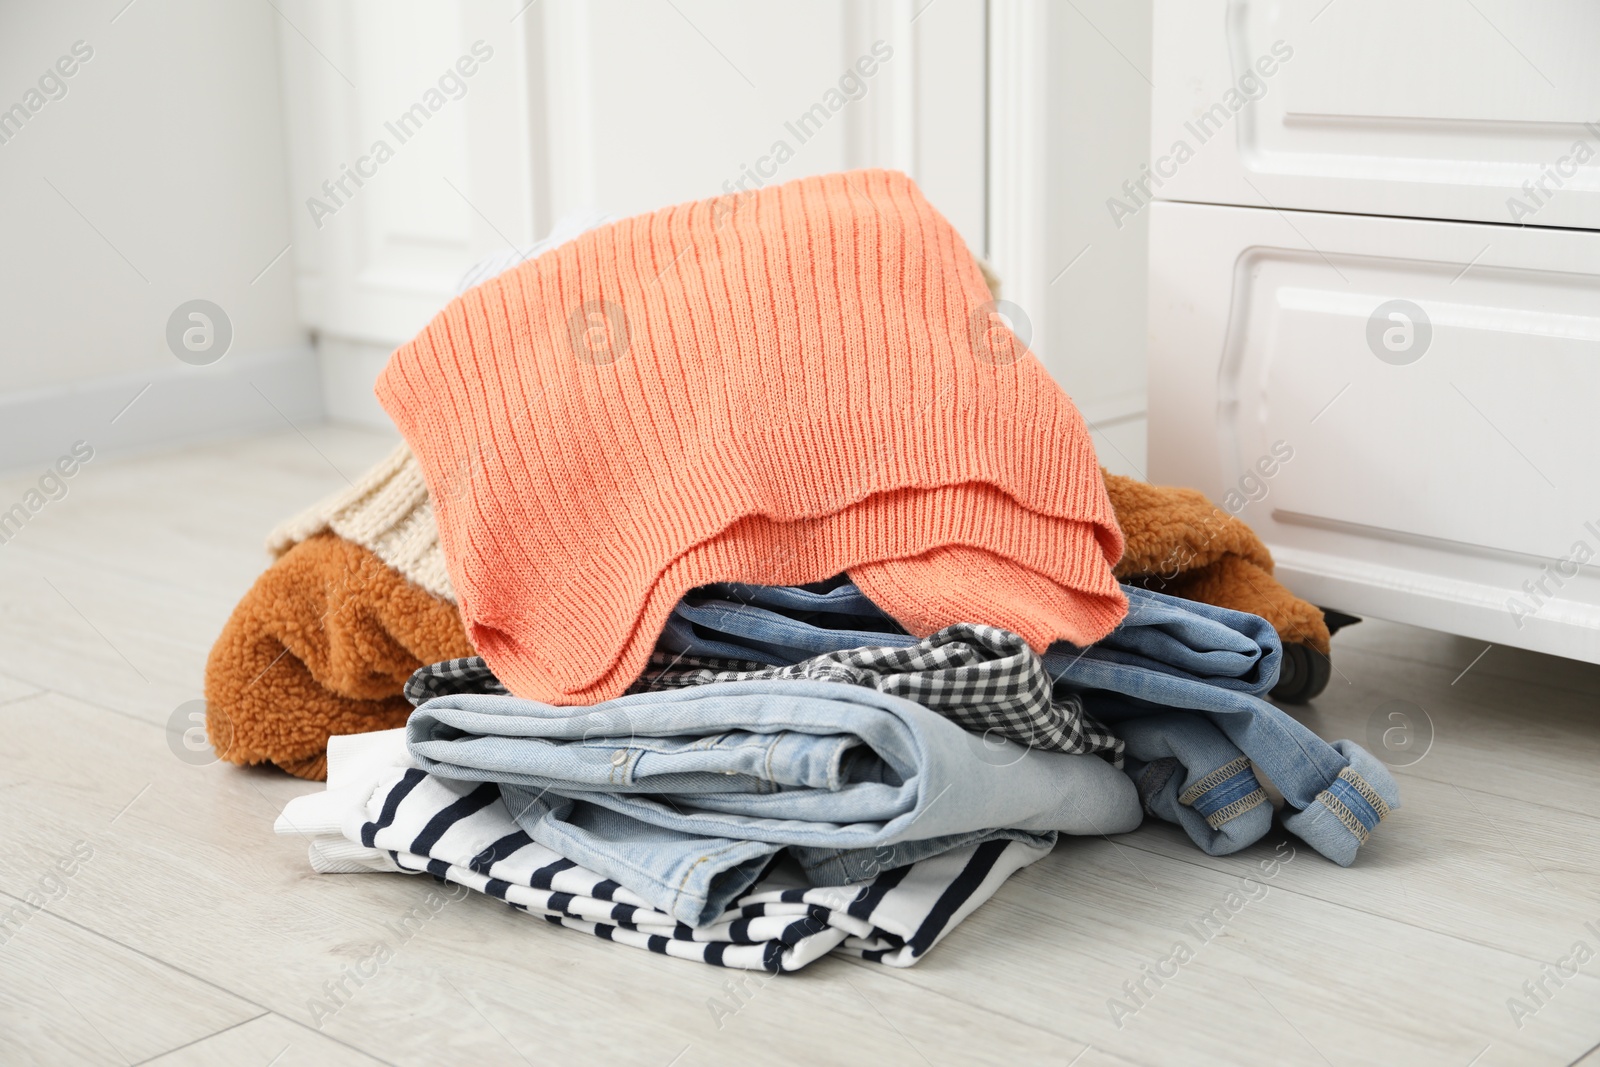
{"x":745,"y":591}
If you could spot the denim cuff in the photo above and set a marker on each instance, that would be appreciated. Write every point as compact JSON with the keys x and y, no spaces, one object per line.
{"x":1228,"y":814}
{"x":1225,"y":793}
{"x":1341,"y":818}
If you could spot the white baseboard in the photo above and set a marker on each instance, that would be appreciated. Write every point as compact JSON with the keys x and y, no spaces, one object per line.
{"x":348,"y":368}
{"x":1105,"y":412}
{"x":244,"y":393}
{"x":1471,"y":603}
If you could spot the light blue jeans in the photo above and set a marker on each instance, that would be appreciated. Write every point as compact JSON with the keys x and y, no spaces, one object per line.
{"x":683,"y":796}
{"x":1167,"y":655}
{"x":1189,"y":774}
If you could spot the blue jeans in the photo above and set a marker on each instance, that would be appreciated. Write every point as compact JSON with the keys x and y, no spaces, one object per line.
{"x":683,"y":796}
{"x":1189,"y":774}
{"x":1167,"y":655}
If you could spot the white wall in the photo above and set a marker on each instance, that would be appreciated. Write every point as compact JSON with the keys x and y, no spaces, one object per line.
{"x":157,"y":178}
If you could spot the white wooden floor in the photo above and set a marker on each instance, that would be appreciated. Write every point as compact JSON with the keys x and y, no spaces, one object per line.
{"x":193,"y":935}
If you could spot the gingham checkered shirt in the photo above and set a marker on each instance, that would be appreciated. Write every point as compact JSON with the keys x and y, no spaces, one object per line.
{"x":980,"y":677}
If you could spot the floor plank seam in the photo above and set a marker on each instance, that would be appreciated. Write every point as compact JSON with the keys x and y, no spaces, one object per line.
{"x":904,"y":976}
{"x":209,"y":983}
{"x":1502,"y":796}
{"x":1586,"y":1054}
{"x":37,"y":554}
{"x":1428,"y":665}
{"x":130,"y":716}
{"x":1304,"y":895}
{"x":19,"y":700}
{"x":196,"y":1041}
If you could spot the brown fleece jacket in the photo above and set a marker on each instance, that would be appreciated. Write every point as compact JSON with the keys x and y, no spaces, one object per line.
{"x":324,"y":641}
{"x":322,"y":644}
{"x":1178,"y":542}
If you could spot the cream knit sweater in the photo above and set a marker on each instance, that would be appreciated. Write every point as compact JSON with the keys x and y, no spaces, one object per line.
{"x":388,"y":512}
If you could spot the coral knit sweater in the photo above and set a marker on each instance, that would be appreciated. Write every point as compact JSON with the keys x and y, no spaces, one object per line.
{"x":771,"y":387}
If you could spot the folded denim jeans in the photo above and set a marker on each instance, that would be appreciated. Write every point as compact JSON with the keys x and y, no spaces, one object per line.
{"x":1167,"y":655}
{"x":684,"y":795}
{"x":980,"y":677}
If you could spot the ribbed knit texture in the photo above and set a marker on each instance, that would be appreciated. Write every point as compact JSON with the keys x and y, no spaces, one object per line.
{"x":767,"y":389}
{"x":387,"y":512}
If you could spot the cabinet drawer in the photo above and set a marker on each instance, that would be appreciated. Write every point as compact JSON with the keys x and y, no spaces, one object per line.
{"x":1430,"y":109}
{"x":1405,"y":410}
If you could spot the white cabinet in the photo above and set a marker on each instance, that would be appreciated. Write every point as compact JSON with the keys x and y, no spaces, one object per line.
{"x":1434,"y":397}
{"x":1421,"y":391}
{"x":1428,"y":109}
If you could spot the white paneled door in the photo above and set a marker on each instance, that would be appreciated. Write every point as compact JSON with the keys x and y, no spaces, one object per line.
{"x":425,"y":136}
{"x":1069,"y":122}
{"x":410,"y":155}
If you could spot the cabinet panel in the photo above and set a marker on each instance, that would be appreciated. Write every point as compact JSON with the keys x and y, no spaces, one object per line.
{"x":1397,"y":406}
{"x":1431,"y":109}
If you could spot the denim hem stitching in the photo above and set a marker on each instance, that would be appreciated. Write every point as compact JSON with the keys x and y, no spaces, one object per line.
{"x":1214,"y":779}
{"x":1370,"y":795}
{"x":1245,"y":803}
{"x":1356,"y":827}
